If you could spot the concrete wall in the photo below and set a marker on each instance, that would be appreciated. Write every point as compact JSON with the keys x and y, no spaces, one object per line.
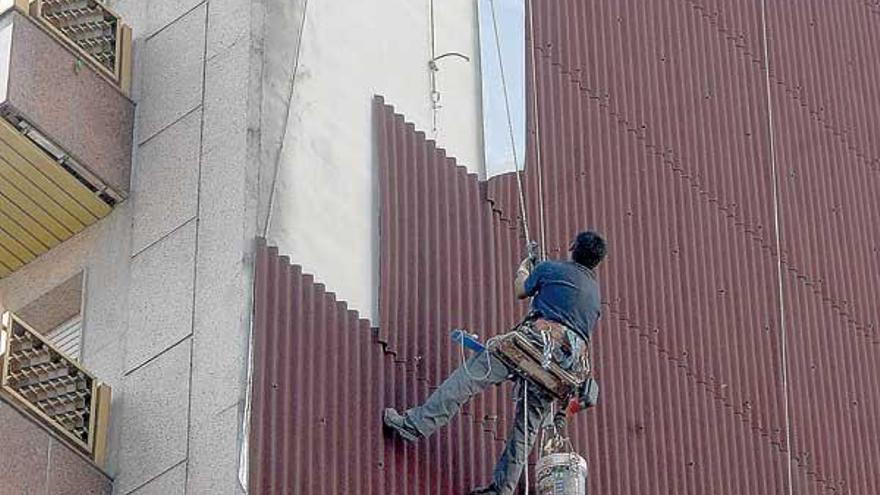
{"x":167,"y":299}
{"x":323,"y":206}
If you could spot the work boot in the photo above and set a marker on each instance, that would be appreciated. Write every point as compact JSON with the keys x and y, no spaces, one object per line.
{"x":484,"y":490}
{"x":398,"y":423}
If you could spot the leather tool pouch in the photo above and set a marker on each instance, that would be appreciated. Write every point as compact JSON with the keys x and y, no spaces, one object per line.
{"x":523,"y":351}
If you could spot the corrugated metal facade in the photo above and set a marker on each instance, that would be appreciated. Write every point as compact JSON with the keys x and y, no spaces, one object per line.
{"x":655,"y":128}
{"x":826,"y":102}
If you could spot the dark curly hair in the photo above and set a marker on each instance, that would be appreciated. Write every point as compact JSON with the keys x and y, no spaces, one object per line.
{"x":588,"y":249}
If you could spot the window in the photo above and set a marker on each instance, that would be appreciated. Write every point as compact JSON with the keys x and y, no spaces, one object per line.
{"x":57,"y":315}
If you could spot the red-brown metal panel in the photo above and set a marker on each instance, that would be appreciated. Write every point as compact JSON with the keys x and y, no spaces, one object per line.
{"x":653,"y":127}
{"x":824,"y":65}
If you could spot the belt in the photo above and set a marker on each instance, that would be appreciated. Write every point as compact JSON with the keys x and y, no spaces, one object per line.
{"x":551,"y":335}
{"x":557,"y":332}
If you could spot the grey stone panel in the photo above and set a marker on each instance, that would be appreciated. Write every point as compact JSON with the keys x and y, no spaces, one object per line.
{"x":24,"y":454}
{"x":226,"y":233}
{"x":107,"y":280}
{"x":161,"y":296}
{"x":108,"y":365}
{"x":226,"y":100}
{"x":69,"y":473}
{"x":214,"y":453}
{"x":171,"y":73}
{"x":161,"y":14}
{"x":171,"y":482}
{"x":155,"y":418}
{"x":229,"y":23}
{"x":166,"y":183}
{"x":221,"y":315}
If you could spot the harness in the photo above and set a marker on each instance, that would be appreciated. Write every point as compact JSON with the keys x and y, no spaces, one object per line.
{"x":546,"y":353}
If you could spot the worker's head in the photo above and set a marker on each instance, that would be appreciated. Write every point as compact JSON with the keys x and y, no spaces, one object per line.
{"x":588,"y":248}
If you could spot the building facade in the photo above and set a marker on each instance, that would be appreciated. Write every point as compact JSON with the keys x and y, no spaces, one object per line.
{"x":258,"y":225}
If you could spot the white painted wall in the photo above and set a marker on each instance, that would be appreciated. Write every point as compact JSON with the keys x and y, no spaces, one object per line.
{"x":323,"y":213}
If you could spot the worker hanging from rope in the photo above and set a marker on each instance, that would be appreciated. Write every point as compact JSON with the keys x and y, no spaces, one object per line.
{"x":564,"y":310}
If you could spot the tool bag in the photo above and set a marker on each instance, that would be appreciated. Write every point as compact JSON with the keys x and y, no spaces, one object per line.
{"x":528,"y":350}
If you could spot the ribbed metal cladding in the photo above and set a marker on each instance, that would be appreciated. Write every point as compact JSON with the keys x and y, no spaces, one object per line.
{"x":659,"y":124}
{"x":445,"y":262}
{"x":654,"y":127}
{"x":318,"y":372}
{"x":687,"y":350}
{"x":824,"y":67}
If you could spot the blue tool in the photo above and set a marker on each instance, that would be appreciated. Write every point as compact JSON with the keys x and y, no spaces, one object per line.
{"x":467,"y":340}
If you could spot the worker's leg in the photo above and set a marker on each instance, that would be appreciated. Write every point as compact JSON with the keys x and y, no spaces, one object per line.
{"x":471,"y":378}
{"x":510,"y":466}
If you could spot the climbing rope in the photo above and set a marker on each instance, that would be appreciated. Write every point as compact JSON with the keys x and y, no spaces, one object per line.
{"x":537,"y":121}
{"x":524,"y":223}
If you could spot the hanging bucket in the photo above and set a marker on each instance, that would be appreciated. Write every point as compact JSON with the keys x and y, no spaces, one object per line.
{"x":561,"y":474}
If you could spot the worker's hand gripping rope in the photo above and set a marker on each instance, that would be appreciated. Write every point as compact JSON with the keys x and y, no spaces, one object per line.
{"x":534,"y":252}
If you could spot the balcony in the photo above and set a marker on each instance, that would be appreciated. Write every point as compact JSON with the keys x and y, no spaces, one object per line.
{"x":65,"y":123}
{"x":53,"y":389}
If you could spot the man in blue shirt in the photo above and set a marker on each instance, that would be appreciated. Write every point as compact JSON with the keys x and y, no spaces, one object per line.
{"x":565,"y":305}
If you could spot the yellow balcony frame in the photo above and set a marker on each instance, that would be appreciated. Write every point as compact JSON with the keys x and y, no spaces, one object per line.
{"x":121,"y":73}
{"x":100,"y":395}
{"x":42,"y":203}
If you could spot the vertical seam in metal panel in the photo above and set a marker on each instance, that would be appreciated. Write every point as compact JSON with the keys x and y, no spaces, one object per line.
{"x":776,"y":222}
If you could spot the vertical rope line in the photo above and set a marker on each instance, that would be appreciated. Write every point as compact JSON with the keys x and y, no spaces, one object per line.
{"x":526,"y":430}
{"x":519,"y":184}
{"x":538,"y":167}
{"x":777,"y":226}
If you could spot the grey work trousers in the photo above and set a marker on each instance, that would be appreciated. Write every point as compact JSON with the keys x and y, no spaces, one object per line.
{"x":485,"y":369}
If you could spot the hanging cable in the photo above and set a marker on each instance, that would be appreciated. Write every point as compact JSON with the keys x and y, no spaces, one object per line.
{"x":525,"y":389}
{"x":774,"y":172}
{"x":537,"y":120}
{"x":519,"y":183}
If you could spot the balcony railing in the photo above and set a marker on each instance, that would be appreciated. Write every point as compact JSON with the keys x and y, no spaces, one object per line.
{"x":53,"y":388}
{"x":65,"y":123}
{"x":93,"y":29}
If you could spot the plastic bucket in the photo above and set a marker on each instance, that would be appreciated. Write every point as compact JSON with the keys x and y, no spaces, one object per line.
{"x":561,"y":474}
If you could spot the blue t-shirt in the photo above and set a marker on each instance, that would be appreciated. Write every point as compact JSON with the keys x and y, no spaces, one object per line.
{"x":565,"y":292}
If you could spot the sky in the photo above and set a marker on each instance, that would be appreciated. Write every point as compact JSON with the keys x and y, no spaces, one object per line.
{"x":510,"y":17}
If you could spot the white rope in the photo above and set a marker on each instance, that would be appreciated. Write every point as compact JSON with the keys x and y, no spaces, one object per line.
{"x":777,"y":225}
{"x":465,"y":365}
{"x":522,"y":197}
{"x":526,"y":430}
{"x":538,"y":167}
{"x":519,"y":184}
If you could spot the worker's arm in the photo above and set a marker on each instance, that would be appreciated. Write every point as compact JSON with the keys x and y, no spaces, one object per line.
{"x":522,"y":274}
